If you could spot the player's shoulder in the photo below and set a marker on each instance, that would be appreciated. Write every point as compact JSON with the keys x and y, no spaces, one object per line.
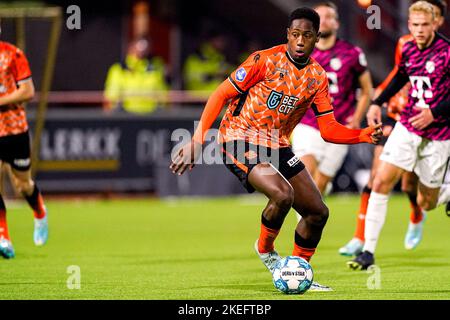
{"x":9,"y":47}
{"x":348,"y":46}
{"x":443,"y":38}
{"x":273,"y":51}
{"x":319,"y":71}
{"x":6,"y":46}
{"x":407,"y":38}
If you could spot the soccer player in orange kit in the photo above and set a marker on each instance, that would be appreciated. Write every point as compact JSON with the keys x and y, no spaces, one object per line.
{"x":270,"y":92}
{"x":16,"y":87}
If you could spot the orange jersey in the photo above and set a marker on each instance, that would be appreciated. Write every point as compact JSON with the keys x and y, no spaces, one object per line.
{"x":397,"y":102}
{"x":14,"y":69}
{"x":275,"y":92}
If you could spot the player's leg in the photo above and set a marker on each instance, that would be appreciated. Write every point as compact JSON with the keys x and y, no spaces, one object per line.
{"x":432,"y":169}
{"x":323,"y":182}
{"x":310,"y":163}
{"x":409,"y":186}
{"x":307,"y":144}
{"x":444,"y":193}
{"x":21,"y":176}
{"x":385,"y":179}
{"x":430,"y":195}
{"x":400,"y":154}
{"x":417,"y":215}
{"x":28,"y":188}
{"x":267,"y":180}
{"x":332,"y":159}
{"x":3,"y":224}
{"x":445,"y":188}
{"x":6,"y":248}
{"x":308,"y":202}
{"x":355,"y":245}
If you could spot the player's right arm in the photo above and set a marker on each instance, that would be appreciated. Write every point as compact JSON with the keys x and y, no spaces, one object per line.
{"x":21,"y":72}
{"x":188,"y":154}
{"x":374,"y":114}
{"x":245,"y":76}
{"x":333,"y":131}
{"x":24,"y":93}
{"x":397,"y":82}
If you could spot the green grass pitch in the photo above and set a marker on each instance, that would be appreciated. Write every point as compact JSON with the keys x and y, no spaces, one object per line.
{"x":203,"y":249}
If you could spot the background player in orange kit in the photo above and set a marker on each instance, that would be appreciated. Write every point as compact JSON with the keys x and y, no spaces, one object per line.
{"x":409,"y":179}
{"x":16,"y":87}
{"x":270,"y":92}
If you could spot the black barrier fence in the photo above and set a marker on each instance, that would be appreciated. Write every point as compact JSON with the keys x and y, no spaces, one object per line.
{"x":88,"y":151}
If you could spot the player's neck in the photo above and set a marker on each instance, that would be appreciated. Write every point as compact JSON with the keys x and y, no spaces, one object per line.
{"x":426,"y":45}
{"x":299,"y":63}
{"x":327,"y":43}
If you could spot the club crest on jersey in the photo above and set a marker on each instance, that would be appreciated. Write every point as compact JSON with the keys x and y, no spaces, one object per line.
{"x":274,"y":99}
{"x":336,"y":63}
{"x":241,"y":74}
{"x":284,"y":103}
{"x":430,"y":66}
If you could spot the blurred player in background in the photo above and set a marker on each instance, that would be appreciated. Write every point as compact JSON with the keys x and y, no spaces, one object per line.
{"x":16,"y":87}
{"x":420,"y":140}
{"x":270,"y":92}
{"x":409,"y":179}
{"x":346,"y":68}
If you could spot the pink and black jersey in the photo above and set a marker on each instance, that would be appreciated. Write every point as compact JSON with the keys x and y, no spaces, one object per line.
{"x":343,"y":63}
{"x":428,"y":72}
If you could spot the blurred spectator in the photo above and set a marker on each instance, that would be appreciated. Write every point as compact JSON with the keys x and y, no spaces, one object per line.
{"x":252,"y":46}
{"x":205,"y":69}
{"x":131,"y":83}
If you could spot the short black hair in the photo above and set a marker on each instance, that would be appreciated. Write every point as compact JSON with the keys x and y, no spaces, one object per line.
{"x":306,"y":13}
{"x":441,"y":4}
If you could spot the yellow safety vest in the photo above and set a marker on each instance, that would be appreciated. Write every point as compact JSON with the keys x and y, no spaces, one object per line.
{"x":206,"y":71}
{"x":135,"y":77}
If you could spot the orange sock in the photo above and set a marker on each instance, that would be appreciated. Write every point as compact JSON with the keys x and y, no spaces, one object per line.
{"x":36,"y":202}
{"x":41,"y":211}
{"x":416,"y":214}
{"x":305,"y":253}
{"x":361,"y":218}
{"x":266,"y":239}
{"x":3,"y":226}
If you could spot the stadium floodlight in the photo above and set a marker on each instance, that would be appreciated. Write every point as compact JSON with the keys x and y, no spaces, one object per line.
{"x":53,"y":14}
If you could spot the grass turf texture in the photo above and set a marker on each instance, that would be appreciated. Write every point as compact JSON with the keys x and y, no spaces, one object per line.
{"x":203,"y":249}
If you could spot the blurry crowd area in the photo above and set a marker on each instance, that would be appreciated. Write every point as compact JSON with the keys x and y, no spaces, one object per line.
{"x":136,"y":71}
{"x":135,"y":48}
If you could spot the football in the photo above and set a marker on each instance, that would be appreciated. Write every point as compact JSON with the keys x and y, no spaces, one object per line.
{"x":293,"y":275}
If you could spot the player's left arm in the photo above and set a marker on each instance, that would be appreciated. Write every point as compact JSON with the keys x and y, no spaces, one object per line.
{"x":334,"y":132}
{"x":365,"y":82}
{"x":24,"y":93}
{"x":426,"y":116}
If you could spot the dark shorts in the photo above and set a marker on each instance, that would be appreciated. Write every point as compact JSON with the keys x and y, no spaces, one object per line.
{"x":15,"y":150}
{"x":388,"y":126}
{"x":241,"y":157}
